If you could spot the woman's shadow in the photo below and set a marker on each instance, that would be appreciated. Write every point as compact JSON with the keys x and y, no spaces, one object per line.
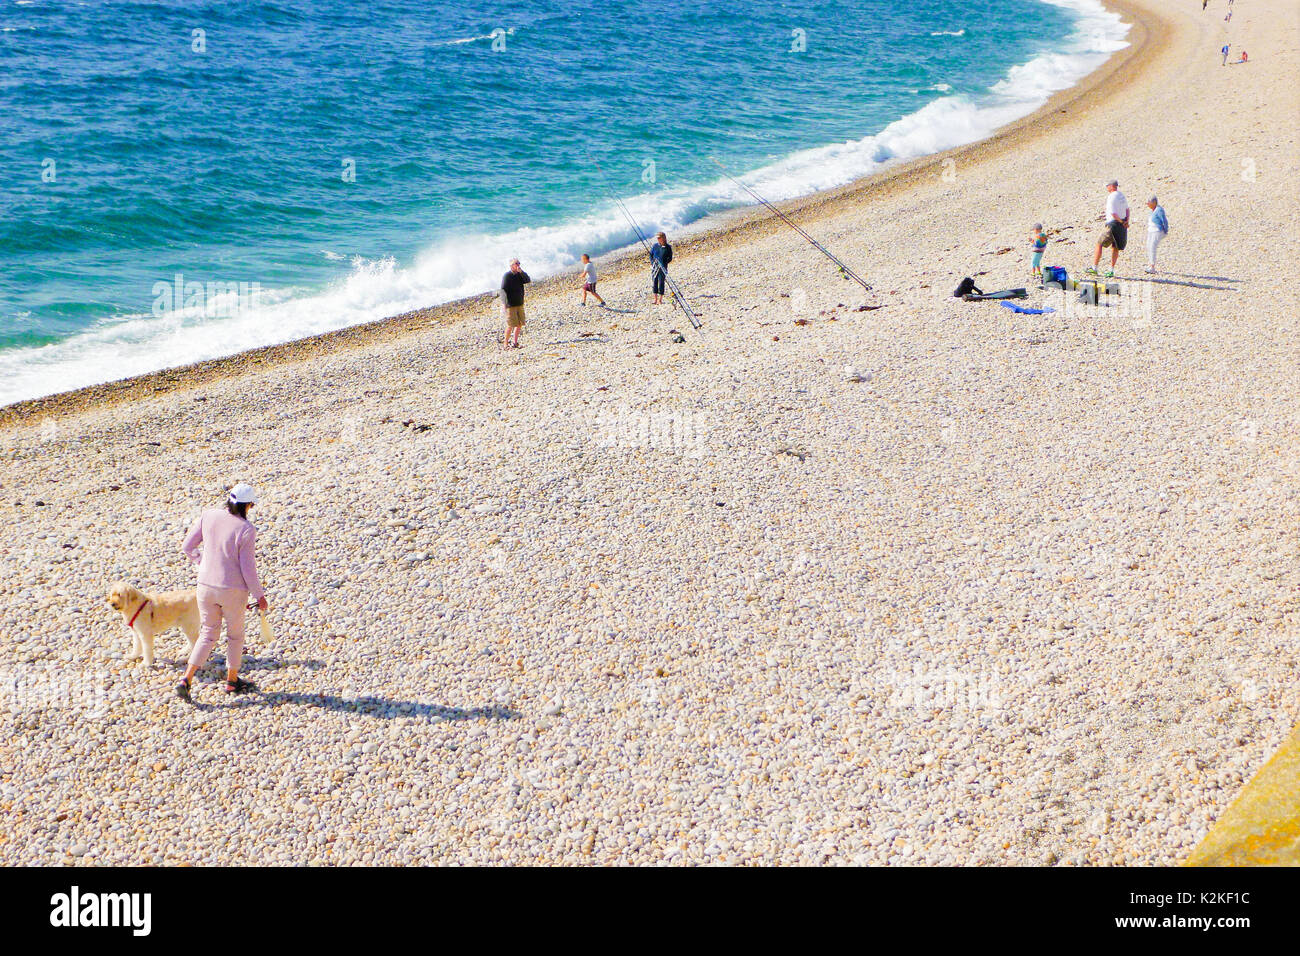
{"x":383,"y":708}
{"x":1160,"y":278}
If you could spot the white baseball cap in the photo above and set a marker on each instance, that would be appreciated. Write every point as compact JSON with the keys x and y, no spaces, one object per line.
{"x":243,"y":494}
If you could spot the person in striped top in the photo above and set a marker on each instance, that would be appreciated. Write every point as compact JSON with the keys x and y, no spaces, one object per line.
{"x":1038,"y":243}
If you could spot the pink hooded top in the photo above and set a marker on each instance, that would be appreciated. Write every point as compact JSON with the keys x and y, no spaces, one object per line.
{"x":227,"y":557}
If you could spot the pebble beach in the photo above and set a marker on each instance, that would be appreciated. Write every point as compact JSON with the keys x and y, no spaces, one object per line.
{"x":845,"y":577}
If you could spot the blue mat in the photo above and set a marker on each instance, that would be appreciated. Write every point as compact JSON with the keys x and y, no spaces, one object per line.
{"x":1023,"y":311}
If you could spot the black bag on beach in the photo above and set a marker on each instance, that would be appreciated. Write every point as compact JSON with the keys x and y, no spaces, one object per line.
{"x":1020,"y":293}
{"x":966,"y":288}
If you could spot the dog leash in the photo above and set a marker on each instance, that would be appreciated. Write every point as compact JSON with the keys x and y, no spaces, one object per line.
{"x":131,"y":623}
{"x":265,"y":626}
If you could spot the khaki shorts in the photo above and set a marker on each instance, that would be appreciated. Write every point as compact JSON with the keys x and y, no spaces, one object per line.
{"x":1115,"y":234}
{"x":514,"y":316}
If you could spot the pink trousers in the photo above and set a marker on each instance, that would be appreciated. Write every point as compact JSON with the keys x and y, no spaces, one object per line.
{"x":214,"y":605}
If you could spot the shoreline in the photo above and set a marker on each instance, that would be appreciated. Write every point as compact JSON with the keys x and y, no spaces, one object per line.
{"x":733,"y":226}
{"x":942,"y":584}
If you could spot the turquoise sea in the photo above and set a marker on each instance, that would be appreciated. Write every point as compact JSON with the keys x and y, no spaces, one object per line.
{"x":185,"y":179}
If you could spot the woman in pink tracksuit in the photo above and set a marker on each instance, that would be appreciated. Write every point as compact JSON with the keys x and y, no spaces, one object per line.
{"x":227,"y":576}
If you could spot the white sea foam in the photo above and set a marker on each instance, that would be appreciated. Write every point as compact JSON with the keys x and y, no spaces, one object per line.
{"x":949,"y":33}
{"x":468,"y":265}
{"x":487,"y":36}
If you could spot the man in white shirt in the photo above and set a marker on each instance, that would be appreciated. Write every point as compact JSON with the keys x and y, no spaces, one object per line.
{"x":589,"y":280}
{"x":1115,"y":235}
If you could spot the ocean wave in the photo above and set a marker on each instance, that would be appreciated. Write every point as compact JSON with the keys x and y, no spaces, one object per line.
{"x":461,"y":266}
{"x":510,"y":31}
{"x":949,"y":33}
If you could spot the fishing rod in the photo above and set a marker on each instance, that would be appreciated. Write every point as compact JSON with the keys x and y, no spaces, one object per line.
{"x":678,"y":297}
{"x":845,"y":271}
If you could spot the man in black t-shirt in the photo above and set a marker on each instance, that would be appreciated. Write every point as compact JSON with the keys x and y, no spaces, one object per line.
{"x":512,"y":302}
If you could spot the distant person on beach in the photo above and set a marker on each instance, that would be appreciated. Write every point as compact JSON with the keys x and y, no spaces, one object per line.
{"x":1038,"y":242}
{"x":589,"y":279}
{"x":1157,"y":229}
{"x":227,"y":576}
{"x":1115,"y":234}
{"x":1243,"y":57}
{"x":512,"y":302}
{"x":660,"y":255}
{"x":1224,"y":51}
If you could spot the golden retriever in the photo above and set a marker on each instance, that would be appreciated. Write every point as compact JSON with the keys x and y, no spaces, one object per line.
{"x":150,"y":614}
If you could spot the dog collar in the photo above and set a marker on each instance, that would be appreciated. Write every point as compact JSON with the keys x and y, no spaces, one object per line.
{"x":131,"y":623}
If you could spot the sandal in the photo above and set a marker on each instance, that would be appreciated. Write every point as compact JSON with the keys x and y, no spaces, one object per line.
{"x":237,"y":686}
{"x":183,"y":690}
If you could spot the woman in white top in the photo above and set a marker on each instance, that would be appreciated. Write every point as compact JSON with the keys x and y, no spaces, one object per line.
{"x":1157,"y":229}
